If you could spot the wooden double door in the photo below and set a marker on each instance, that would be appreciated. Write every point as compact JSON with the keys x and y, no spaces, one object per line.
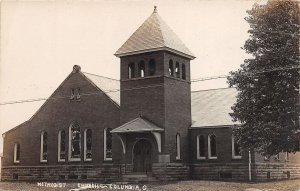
{"x":142,"y":159}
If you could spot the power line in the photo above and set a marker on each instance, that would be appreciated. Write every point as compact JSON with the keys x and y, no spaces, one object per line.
{"x":150,"y":86}
{"x":246,"y":73}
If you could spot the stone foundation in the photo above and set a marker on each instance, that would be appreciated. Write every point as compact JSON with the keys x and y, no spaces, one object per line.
{"x":276,"y":171}
{"x":220,"y":171}
{"x":170,"y":171}
{"x":105,"y":173}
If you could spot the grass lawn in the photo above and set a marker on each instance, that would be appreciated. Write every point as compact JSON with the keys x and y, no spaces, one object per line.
{"x":287,"y":185}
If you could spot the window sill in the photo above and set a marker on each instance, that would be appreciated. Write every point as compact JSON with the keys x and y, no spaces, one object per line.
{"x":236,"y":157}
{"x":107,"y":159}
{"x":88,"y":160}
{"x":16,"y":162}
{"x":201,"y":158}
{"x":43,"y":161}
{"x":213,"y":158}
{"x":74,"y":160}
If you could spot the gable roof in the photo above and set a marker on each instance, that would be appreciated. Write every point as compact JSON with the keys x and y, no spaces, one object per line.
{"x":211,"y":108}
{"x":154,"y":34}
{"x":137,"y":125}
{"x":111,"y":87}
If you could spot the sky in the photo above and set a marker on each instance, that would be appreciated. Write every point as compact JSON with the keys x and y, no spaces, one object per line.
{"x":40,"y":41}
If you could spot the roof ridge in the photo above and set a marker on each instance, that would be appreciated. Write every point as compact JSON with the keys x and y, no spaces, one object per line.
{"x":100,"y":76}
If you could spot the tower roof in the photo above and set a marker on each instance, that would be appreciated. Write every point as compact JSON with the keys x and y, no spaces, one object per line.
{"x":154,"y":34}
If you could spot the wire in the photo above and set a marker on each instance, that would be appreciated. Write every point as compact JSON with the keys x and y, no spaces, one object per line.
{"x":245,"y":73}
{"x":143,"y":87}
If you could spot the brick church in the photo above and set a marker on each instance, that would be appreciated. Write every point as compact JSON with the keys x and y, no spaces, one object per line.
{"x":149,"y":123}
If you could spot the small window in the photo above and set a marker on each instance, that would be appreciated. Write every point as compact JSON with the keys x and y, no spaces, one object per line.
{"x":74,"y":142}
{"x":212,"y":147}
{"x":177,"y":72}
{"x":72,"y":97}
{"x":178,"y":146}
{"x":17,"y":153}
{"x":183,"y":71}
{"x":61,"y":146}
{"x":236,"y":149}
{"x":200,"y":147}
{"x":75,"y":94}
{"x":152,"y":67}
{"x":88,"y":145}
{"x":78,"y":94}
{"x":44,"y":147}
{"x":171,"y":68}
{"x":131,"y":70}
{"x":277,"y":157}
{"x":141,"y":67}
{"x":107,"y":144}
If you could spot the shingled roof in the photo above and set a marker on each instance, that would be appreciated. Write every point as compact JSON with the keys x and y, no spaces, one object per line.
{"x":211,"y":108}
{"x":111,"y":87}
{"x":154,"y":34}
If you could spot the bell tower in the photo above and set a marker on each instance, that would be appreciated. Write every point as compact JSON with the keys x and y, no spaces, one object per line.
{"x":155,"y":82}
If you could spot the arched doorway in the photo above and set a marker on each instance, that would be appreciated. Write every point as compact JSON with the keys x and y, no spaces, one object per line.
{"x":142,"y":156}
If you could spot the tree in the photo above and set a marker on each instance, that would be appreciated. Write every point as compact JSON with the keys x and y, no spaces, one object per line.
{"x":267,"y":103}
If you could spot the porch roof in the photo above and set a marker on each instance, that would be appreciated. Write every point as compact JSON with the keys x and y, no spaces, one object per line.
{"x":137,"y":125}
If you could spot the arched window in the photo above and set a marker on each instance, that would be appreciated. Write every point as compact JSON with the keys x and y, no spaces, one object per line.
{"x":177,"y":72}
{"x":200,"y":147}
{"x":141,"y":68}
{"x":178,"y":146}
{"x":17,"y":153}
{"x":171,"y":68}
{"x":88,"y":145}
{"x":61,"y":146}
{"x":183,"y":71}
{"x":44,"y":147}
{"x":131,"y":70}
{"x":236,"y":149}
{"x":152,"y":67}
{"x":107,"y":144}
{"x":212,"y":147}
{"x":74,"y":142}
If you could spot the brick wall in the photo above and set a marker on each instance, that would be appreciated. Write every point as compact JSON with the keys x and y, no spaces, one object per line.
{"x":168,"y":105}
{"x":95,"y":112}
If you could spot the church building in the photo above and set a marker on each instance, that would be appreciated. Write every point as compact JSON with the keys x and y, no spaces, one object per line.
{"x":147,"y":126}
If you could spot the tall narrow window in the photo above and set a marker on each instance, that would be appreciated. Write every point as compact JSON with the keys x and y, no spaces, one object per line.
{"x":212,"y":147}
{"x":131,"y":70}
{"x":17,"y":153}
{"x":74,"y":142}
{"x":287,"y":157}
{"x":236,"y":149}
{"x":88,"y":145}
{"x":107,"y":144}
{"x":141,"y":67}
{"x":44,"y":146}
{"x":61,"y":146}
{"x":183,"y":71}
{"x":177,"y":72}
{"x":152,"y":67}
{"x":200,"y":147}
{"x":178,"y":146}
{"x":171,"y":68}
